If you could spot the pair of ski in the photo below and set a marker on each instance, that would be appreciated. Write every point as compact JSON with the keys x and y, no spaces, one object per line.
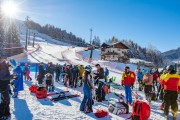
{"x":61,"y":96}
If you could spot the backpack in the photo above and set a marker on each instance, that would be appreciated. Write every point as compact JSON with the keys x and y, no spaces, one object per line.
{"x":118,"y":108}
{"x":100,"y":94}
{"x":153,"y":96}
{"x":141,"y":110}
{"x":106,"y":89}
{"x":41,"y":93}
{"x":33,"y":88}
{"x":101,"y":113}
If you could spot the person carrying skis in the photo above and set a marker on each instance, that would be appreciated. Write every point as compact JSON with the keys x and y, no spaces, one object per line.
{"x":128,"y":80}
{"x":86,"y":104}
{"x":106,"y":74}
{"x":41,"y":73}
{"x":4,"y":89}
{"x":148,"y":81}
{"x":155,"y":77}
{"x":171,"y":85}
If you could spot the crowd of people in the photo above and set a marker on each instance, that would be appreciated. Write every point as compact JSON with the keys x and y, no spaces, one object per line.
{"x":165,"y":83}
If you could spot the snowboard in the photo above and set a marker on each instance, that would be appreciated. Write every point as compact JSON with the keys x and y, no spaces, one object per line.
{"x":55,"y":93}
{"x":62,"y":97}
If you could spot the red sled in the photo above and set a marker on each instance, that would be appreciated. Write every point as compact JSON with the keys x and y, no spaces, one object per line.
{"x":33,"y":88}
{"x":41,"y":93}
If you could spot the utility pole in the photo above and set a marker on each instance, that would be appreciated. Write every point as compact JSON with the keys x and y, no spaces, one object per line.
{"x":91,"y":46}
{"x":34,"y":38}
{"x":91,"y":36}
{"x":27,"y":19}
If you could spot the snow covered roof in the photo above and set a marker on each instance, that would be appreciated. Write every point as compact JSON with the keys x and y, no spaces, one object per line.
{"x":115,"y":45}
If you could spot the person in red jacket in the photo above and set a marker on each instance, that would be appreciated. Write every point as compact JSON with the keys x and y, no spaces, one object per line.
{"x":128,"y":79}
{"x":171,"y":85}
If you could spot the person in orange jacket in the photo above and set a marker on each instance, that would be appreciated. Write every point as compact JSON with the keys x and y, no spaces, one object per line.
{"x":171,"y":85}
{"x":128,"y":79}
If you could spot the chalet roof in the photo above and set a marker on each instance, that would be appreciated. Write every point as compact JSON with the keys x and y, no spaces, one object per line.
{"x":104,"y":45}
{"x":115,"y":45}
{"x":119,"y":45}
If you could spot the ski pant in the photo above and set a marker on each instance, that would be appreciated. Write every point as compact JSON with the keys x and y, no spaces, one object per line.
{"x":5,"y":101}
{"x":148,"y":90}
{"x":40,"y":80}
{"x":28,"y":75}
{"x":87,"y":96}
{"x":74,"y":81}
{"x":128,"y":93}
{"x":57,"y":77}
{"x":106,"y":78}
{"x":170,"y":98}
{"x":155,"y":84}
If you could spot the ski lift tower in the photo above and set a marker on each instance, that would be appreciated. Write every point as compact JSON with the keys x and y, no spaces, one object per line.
{"x":91,"y":46}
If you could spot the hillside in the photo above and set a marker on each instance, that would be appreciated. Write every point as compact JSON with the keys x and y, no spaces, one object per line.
{"x":172,"y":55}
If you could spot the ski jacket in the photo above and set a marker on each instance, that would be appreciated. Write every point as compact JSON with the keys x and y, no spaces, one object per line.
{"x":41,"y":70}
{"x":139,"y":76}
{"x":19,"y":81}
{"x":4,"y":71}
{"x":128,"y":78}
{"x":86,"y":79}
{"x":4,"y":75}
{"x":161,"y":79}
{"x":106,"y":72}
{"x":171,"y":82}
{"x":155,"y":75}
{"x":50,"y":69}
{"x":81,"y":71}
{"x":148,"y":79}
{"x":100,"y":73}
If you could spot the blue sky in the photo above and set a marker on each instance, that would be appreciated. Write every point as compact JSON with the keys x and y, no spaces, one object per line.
{"x":155,"y":22}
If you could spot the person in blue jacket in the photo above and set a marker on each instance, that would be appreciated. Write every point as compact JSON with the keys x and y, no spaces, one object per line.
{"x":86,"y":104}
{"x":139,"y":76}
{"x":106,"y":74}
{"x":17,"y":83}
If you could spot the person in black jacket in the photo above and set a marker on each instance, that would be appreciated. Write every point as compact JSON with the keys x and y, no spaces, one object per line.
{"x":57,"y":72}
{"x":41,"y":73}
{"x":75,"y":75}
{"x":4,"y":89}
{"x":100,"y":74}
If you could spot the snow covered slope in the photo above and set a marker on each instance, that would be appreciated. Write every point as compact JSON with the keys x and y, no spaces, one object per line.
{"x":28,"y":107}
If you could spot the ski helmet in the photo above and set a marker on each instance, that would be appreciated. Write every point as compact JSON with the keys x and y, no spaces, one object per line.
{"x":88,"y":68}
{"x":170,"y":68}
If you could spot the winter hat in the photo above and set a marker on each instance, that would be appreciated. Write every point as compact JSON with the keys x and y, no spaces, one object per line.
{"x":88,"y":68}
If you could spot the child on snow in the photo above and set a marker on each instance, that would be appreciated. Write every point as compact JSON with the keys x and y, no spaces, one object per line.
{"x":17,"y":82}
{"x":49,"y":83}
